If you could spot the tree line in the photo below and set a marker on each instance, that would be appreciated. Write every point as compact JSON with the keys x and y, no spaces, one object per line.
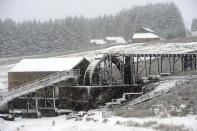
{"x":73,"y":33}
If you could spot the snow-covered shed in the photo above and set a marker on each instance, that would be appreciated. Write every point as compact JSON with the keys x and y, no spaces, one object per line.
{"x":143,"y":35}
{"x":28,"y":70}
{"x":115,"y":40}
{"x":98,"y":42}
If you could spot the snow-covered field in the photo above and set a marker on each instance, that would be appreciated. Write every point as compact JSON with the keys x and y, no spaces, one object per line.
{"x":60,"y":123}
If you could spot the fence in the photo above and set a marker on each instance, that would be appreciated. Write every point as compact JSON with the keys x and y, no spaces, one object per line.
{"x":148,"y":96}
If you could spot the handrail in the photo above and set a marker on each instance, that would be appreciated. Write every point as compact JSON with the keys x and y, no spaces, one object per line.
{"x":45,"y":78}
{"x":38,"y":84}
{"x":156,"y":93}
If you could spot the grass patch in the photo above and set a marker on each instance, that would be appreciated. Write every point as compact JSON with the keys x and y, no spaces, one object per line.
{"x":164,"y":127}
{"x":149,"y":124}
{"x":89,"y":119}
{"x":105,"y":120}
{"x":135,"y":113}
{"x":133,"y":124}
{"x":78,"y":119}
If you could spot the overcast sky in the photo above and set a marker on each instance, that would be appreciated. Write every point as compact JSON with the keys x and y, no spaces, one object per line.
{"x":44,"y":9}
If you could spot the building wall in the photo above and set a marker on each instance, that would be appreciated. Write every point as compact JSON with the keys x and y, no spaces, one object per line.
{"x":144,"y":40}
{"x":19,"y":78}
{"x":83,"y":98}
{"x":111,"y":41}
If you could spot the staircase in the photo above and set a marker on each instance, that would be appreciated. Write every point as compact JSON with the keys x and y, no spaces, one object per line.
{"x":36,"y":85}
{"x":122,"y":100}
{"x":118,"y":103}
{"x":153,"y":94}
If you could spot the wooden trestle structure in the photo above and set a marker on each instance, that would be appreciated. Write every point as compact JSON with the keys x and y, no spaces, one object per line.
{"x":107,"y":77}
{"x":155,"y":64}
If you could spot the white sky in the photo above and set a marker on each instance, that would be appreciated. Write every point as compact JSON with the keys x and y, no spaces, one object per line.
{"x":44,"y":9}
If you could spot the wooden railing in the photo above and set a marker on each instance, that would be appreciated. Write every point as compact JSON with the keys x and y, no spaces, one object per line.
{"x":37,"y":84}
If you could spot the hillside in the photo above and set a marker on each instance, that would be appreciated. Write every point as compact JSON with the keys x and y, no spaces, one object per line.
{"x":73,"y":33}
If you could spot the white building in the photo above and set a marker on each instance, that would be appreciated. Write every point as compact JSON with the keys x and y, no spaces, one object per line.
{"x":28,"y":70}
{"x":115,"y":40}
{"x":143,"y":35}
{"x":98,"y":42}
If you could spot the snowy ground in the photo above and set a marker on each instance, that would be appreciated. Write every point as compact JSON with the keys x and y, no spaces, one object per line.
{"x":60,"y":123}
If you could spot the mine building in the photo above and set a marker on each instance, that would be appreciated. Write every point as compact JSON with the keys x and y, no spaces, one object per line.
{"x":115,"y":40}
{"x":28,"y":70}
{"x":56,"y":84}
{"x":98,"y":42}
{"x":143,"y":35}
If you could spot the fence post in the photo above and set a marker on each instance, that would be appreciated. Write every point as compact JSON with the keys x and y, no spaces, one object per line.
{"x":1,"y":95}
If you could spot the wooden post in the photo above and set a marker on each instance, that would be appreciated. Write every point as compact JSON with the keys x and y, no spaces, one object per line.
{"x":170,"y":64}
{"x":28,"y":103}
{"x":182,"y":63}
{"x":110,"y":61}
{"x":173,"y":66}
{"x":54,"y":105}
{"x":161,"y":64}
{"x":150,"y":66}
{"x":122,"y":65}
{"x":132,"y":68}
{"x":195,"y":61}
{"x":145,"y":66}
{"x":137,"y":67}
{"x":158,"y":65}
{"x":36,"y":105}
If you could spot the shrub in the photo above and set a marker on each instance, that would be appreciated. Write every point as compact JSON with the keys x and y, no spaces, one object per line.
{"x":133,"y":124}
{"x":149,"y":124}
{"x":135,"y":113}
{"x":95,"y":120}
{"x":69,"y":117}
{"x":105,"y":120}
{"x":173,"y":113}
{"x":89,"y":119}
{"x":117,"y":123}
{"x":78,"y":119}
{"x":164,"y":127}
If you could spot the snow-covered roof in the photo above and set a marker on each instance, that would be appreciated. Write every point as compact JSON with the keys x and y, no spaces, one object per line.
{"x":144,"y":35}
{"x":117,"y":39}
{"x":98,"y":41}
{"x":46,"y":64}
{"x":149,"y":30}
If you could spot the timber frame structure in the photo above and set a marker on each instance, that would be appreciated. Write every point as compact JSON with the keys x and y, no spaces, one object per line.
{"x":161,"y":63}
{"x":113,"y":71}
{"x":132,"y":67}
